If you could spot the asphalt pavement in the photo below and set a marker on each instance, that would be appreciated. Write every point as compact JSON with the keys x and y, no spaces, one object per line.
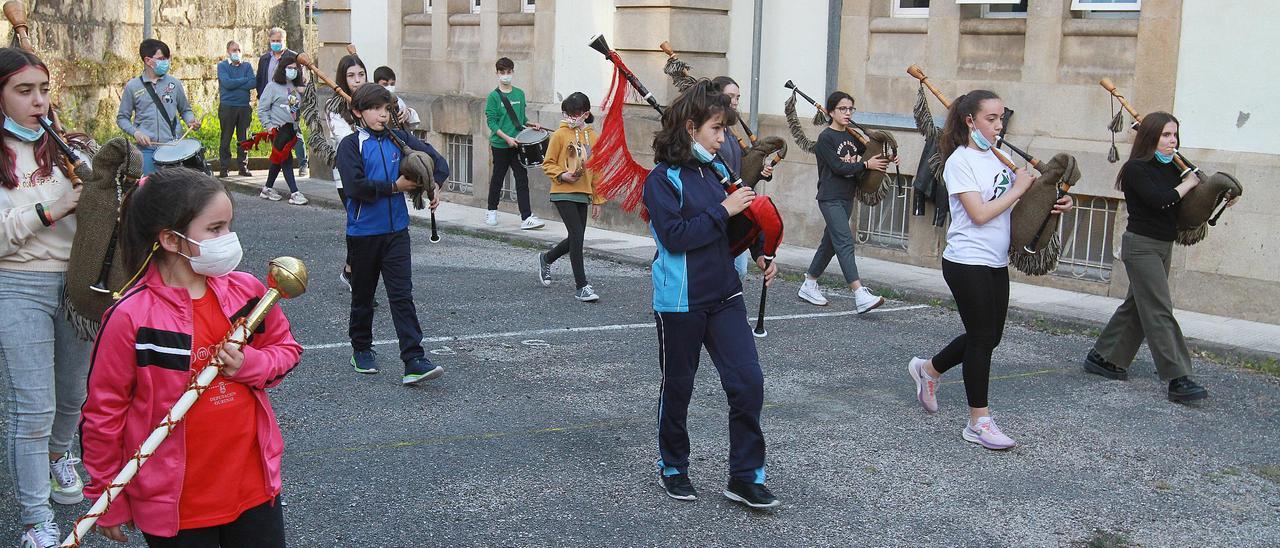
{"x":542,"y":430}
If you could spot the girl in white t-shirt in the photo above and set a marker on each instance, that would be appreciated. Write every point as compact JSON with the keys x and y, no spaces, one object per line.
{"x":981,"y":191}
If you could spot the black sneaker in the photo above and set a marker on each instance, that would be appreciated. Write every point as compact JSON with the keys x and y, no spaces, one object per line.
{"x":755,"y":495}
{"x":1094,"y":363}
{"x":222,"y":174}
{"x":365,"y":361}
{"x":244,"y":172}
{"x":678,"y":486}
{"x":1183,"y":389}
{"x":544,"y":270}
{"x":420,"y":369}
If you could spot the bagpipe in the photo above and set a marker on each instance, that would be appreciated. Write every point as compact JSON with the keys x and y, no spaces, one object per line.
{"x":1034,"y":244}
{"x":622,"y":175}
{"x":1205,"y":202}
{"x":757,"y":152}
{"x":416,"y":166}
{"x":105,"y":181}
{"x":872,"y":185}
{"x":287,"y":278}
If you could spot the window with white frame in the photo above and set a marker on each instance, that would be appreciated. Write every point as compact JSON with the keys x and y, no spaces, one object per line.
{"x":459,"y":152}
{"x":910,"y":8}
{"x":475,"y":6}
{"x":526,"y":6}
{"x":426,"y":6}
{"x":1106,"y":5}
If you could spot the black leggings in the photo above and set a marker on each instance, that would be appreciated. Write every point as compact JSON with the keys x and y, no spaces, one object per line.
{"x":504,"y":159}
{"x":574,"y":215}
{"x":262,"y":525}
{"x":287,"y":133}
{"x":982,"y":297}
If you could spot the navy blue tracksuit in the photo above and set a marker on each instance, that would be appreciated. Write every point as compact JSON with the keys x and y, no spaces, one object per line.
{"x":697,"y":301}
{"x":378,"y":234}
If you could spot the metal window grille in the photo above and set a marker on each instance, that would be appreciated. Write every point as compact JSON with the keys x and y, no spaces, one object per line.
{"x":509,"y":185}
{"x":887,"y":223}
{"x":1086,"y":233}
{"x":459,"y":152}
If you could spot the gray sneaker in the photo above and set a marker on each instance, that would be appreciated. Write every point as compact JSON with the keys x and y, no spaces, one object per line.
{"x":65,"y":485}
{"x":586,"y":294}
{"x":544,"y":270}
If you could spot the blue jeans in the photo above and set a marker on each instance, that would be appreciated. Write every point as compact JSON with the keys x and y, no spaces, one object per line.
{"x":837,"y":240}
{"x":148,"y":160}
{"x":740,"y":264}
{"x":44,"y":367}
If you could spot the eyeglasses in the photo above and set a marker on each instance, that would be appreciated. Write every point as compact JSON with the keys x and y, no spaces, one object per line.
{"x":845,"y":109}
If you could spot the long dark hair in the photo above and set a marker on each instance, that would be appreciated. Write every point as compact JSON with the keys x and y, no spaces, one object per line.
{"x":168,"y":199}
{"x":577,"y":103}
{"x":279,"y":77}
{"x":834,"y":99}
{"x":1148,"y":138}
{"x":344,"y":65}
{"x":13,"y":60}
{"x":702,"y":101}
{"x":955,"y":133}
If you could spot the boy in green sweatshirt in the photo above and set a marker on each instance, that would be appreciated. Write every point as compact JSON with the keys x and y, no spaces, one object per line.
{"x":504,"y":112}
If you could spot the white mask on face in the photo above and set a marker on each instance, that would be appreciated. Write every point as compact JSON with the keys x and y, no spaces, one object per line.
{"x":505,"y":79}
{"x":218,"y":256}
{"x":391,"y":88}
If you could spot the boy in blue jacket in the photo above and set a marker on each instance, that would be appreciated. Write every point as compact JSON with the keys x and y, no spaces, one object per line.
{"x":697,"y":295}
{"x":378,"y":233}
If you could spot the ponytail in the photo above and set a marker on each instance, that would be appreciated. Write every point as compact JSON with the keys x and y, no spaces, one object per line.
{"x":955,"y":133}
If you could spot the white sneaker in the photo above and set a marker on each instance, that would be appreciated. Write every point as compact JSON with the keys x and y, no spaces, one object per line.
{"x":926,"y":386}
{"x":302,"y":172}
{"x":531,"y":223}
{"x":65,"y":485}
{"x":987,"y":434}
{"x":269,"y":194}
{"x":864,"y":301}
{"x":810,"y":291}
{"x":44,"y":535}
{"x":297,"y":199}
{"x":491,"y":218}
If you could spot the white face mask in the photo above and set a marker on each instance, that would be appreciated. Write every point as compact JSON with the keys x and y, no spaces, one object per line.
{"x":218,"y":256}
{"x":505,"y":79}
{"x":391,"y":88}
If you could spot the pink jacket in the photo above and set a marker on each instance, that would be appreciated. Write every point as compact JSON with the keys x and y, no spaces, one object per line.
{"x":140,"y":367}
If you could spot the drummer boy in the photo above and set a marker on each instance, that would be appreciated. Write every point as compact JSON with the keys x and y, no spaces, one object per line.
{"x":150,"y":103}
{"x":504,"y":112}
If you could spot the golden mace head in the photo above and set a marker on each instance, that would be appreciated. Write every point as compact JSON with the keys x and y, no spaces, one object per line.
{"x":288,"y":276}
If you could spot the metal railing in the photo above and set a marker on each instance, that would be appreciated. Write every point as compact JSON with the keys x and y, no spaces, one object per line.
{"x":459,"y":152}
{"x":1086,"y":234}
{"x":888,"y":223}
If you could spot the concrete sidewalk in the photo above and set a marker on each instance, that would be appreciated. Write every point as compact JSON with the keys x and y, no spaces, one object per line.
{"x":1209,"y":332}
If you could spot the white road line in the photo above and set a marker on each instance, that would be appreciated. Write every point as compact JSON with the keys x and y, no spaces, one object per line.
{"x":594,"y":328}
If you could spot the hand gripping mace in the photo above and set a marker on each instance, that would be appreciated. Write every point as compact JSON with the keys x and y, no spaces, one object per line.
{"x":287,"y":278}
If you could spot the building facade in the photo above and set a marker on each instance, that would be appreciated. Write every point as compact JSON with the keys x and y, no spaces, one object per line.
{"x":1044,"y":57}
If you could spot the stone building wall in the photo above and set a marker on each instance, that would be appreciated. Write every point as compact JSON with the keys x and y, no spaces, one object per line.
{"x":91,"y":47}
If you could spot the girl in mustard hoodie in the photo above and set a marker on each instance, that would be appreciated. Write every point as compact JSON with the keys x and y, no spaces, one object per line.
{"x":573,"y":187}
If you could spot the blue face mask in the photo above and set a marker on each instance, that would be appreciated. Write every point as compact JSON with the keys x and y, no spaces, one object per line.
{"x":162,"y":67}
{"x":701,"y":153}
{"x":1159,"y":155}
{"x":22,"y":132}
{"x":980,"y":140}
{"x":277,"y":46}
{"x":290,"y":74}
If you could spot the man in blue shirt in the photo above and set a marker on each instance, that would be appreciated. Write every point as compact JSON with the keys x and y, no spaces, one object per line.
{"x":235,"y":80}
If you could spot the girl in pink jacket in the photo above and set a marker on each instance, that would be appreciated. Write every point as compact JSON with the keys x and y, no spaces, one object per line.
{"x":216,"y":480}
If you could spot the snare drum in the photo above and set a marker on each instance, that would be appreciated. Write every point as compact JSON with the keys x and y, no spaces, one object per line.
{"x":181,"y":153}
{"x":532,"y":146}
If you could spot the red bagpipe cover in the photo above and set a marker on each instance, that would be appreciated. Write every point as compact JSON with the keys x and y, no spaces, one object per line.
{"x":761,"y":217}
{"x":278,"y":155}
{"x":620,"y":174}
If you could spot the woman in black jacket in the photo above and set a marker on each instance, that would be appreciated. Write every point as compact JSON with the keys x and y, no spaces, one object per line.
{"x":1153,"y":187}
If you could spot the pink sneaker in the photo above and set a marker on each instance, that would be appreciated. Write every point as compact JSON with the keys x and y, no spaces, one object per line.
{"x":926,"y":386}
{"x":987,"y":434}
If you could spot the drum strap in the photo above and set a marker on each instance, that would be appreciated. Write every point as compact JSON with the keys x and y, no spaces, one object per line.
{"x":164,"y":113}
{"x":510,"y":110}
